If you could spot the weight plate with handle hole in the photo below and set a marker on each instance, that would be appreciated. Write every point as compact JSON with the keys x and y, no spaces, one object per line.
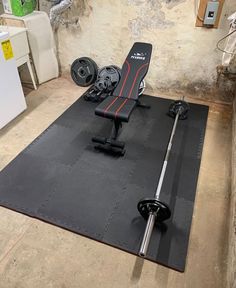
{"x":84,"y":71}
{"x":108,"y":78}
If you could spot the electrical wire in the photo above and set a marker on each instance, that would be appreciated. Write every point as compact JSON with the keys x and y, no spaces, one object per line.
{"x":196,"y":12}
{"x":201,"y":19}
{"x":226,"y":36}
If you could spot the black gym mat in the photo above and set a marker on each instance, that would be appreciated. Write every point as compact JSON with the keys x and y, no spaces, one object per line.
{"x":60,"y":178}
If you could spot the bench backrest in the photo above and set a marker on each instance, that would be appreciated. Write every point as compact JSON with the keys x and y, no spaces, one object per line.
{"x":134,"y":70}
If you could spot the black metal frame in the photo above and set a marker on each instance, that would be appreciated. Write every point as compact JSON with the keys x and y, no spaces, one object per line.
{"x":117,"y":124}
{"x":142,"y":105}
{"x":111,"y":144}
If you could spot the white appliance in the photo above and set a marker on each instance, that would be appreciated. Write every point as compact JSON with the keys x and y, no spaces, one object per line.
{"x":12,"y":100}
{"x":20,"y":46}
{"x":41,"y":42}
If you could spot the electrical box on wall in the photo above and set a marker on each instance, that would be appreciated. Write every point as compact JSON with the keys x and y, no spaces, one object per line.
{"x":209,"y":12}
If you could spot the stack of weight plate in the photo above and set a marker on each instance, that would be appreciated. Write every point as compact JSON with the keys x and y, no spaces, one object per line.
{"x":85,"y":72}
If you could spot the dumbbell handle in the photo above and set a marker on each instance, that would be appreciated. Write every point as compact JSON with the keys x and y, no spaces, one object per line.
{"x":147,"y":235}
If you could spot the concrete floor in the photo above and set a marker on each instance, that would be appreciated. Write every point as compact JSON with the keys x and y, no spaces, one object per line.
{"x":36,"y":254}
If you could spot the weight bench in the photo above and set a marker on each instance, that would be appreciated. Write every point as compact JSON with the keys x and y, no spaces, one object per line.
{"x":120,"y":105}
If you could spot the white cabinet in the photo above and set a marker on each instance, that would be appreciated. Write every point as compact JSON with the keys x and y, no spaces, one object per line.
{"x":12,"y":100}
{"x":19,"y":40}
{"x":41,"y":42}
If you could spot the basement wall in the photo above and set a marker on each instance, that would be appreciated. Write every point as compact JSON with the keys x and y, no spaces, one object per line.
{"x":184,"y":57}
{"x":231,"y":271}
{"x":1,"y":8}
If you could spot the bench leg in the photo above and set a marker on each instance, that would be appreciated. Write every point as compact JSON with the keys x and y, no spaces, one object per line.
{"x":115,"y":129}
{"x":142,"y":105}
{"x":111,"y":144}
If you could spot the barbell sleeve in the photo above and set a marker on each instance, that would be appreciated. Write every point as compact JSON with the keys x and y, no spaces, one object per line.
{"x":147,"y":235}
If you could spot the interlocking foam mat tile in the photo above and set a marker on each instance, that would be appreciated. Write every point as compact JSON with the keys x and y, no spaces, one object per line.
{"x":61,"y":179}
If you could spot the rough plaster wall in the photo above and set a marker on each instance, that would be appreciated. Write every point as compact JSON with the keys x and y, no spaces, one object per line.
{"x":232,"y":235}
{"x":1,"y":7}
{"x":184,"y":57}
{"x":45,"y":6}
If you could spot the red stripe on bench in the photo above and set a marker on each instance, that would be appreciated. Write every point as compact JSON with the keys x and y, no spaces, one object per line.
{"x":126,"y":76}
{"x":117,"y":111}
{"x":135,"y":78}
{"x":122,"y":88}
{"x":132,"y":87}
{"x":109,"y":106}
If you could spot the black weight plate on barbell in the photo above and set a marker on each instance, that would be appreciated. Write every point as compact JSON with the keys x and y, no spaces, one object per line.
{"x":84,"y":71}
{"x":149,"y":205}
{"x":179,"y":105}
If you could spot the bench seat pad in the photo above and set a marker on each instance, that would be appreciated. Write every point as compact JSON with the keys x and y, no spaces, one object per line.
{"x":117,"y":108}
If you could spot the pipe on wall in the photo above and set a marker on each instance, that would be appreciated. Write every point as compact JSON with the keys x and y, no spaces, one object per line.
{"x":230,"y":47}
{"x":59,"y":7}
